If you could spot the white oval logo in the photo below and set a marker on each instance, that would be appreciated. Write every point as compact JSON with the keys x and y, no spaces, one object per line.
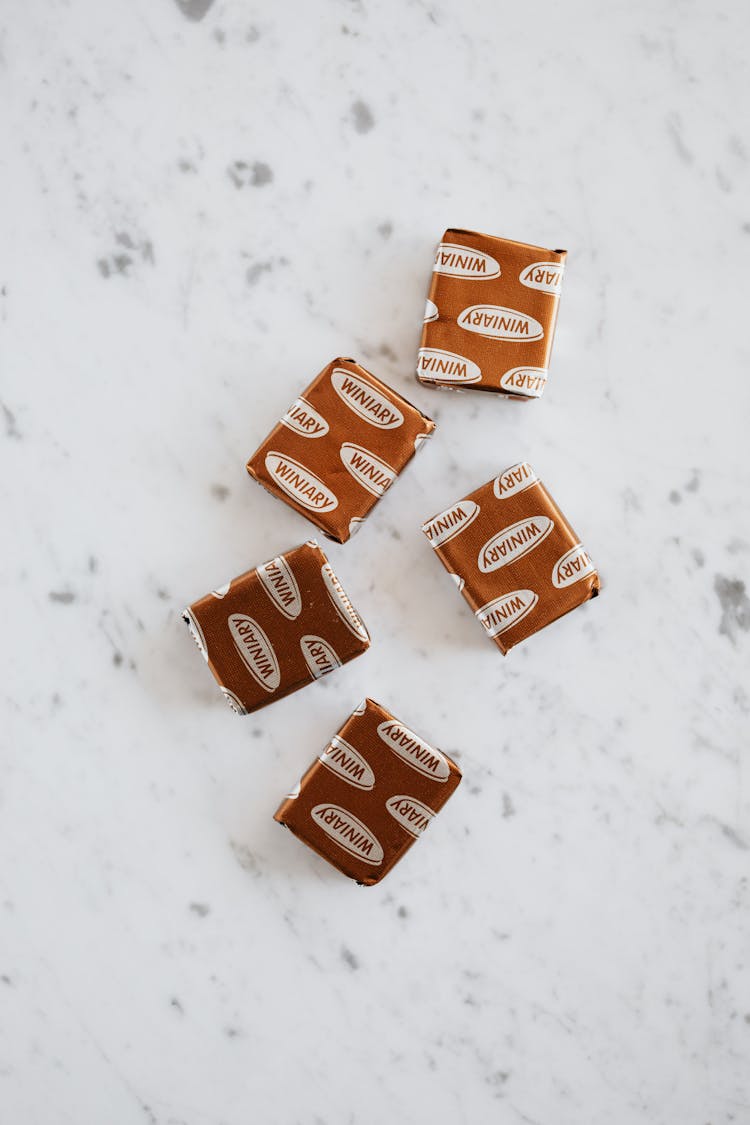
{"x":574,"y":565}
{"x":233,"y":700}
{"x":442,"y":528}
{"x":281,"y":587}
{"x":431,"y":311}
{"x":256,"y":650}
{"x":454,"y":260}
{"x":348,"y":763}
{"x":513,"y":542}
{"x":499,"y":323}
{"x":544,"y":276}
{"x":528,"y":381}
{"x":372,"y":473}
{"x":221,"y":591}
{"x":319,"y":655}
{"x":361,"y":397}
{"x":196,"y":632}
{"x":410,"y":813}
{"x":501,"y":613}
{"x":346,"y":830}
{"x":514,"y":480}
{"x":341,"y":603}
{"x":304,"y":419}
{"x":416,"y":753}
{"x":437,"y":365}
{"x":299,"y":483}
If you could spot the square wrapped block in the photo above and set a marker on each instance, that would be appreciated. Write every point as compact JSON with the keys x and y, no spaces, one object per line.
{"x":490,"y":315}
{"x":276,"y":628}
{"x":339,"y":448}
{"x":513,"y":555}
{"x":371,"y":793}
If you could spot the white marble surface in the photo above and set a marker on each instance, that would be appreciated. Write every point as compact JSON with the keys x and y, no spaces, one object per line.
{"x":198,"y":214}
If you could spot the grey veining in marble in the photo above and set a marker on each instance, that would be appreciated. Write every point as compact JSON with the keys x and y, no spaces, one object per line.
{"x":202,"y":204}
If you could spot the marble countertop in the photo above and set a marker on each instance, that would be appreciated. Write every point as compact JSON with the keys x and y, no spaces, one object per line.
{"x":203,"y":204}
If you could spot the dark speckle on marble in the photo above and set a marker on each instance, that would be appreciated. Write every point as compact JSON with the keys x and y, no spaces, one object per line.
{"x":245,"y":858}
{"x":202,"y":909}
{"x":130,"y":250}
{"x":194,"y":9}
{"x":385,"y":230}
{"x":144,"y":247}
{"x":631,"y":500}
{"x":723,"y":179}
{"x":674,"y":130}
{"x":93,"y":564}
{"x":62,"y":597}
{"x":11,"y":430}
{"x":734,"y":837}
{"x":236,"y":172}
{"x":243,"y":174}
{"x":674,"y":497}
{"x":252,"y":35}
{"x":262,"y":174}
{"x":175,"y":1003}
{"x":509,"y":809}
{"x":117,"y":659}
{"x":698,"y":557}
{"x":363,"y":118}
{"x":349,"y":958}
{"x":256,"y":271}
{"x":219,"y":491}
{"x":402,"y":912}
{"x":6,"y":980}
{"x":735,"y":606}
{"x":220,"y":36}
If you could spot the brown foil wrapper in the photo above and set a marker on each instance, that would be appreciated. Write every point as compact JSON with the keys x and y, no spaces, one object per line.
{"x":276,"y":628}
{"x":371,"y":793}
{"x":513,"y":555}
{"x":339,"y":447}
{"x":490,"y":315}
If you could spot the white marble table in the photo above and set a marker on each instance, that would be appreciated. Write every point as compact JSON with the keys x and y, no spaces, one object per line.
{"x":202,"y":205}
